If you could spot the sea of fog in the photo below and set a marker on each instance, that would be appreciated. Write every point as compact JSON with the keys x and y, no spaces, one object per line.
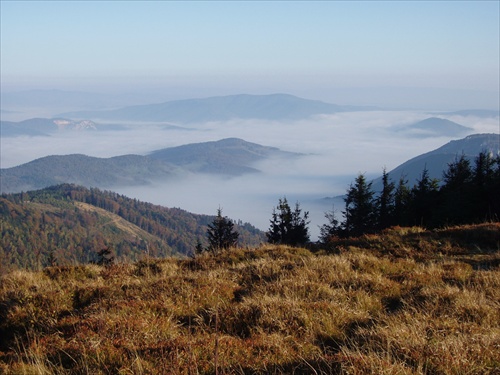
{"x":336,"y":148}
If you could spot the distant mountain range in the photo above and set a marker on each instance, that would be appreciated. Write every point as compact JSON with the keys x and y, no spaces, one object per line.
{"x":430,"y":127}
{"x":437,"y":161}
{"x":43,"y":126}
{"x":230,"y":156}
{"x":15,"y":104}
{"x":220,"y":108}
{"x":474,"y":112}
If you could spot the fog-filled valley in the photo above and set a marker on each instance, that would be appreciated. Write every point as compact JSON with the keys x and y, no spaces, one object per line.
{"x":333,"y":148}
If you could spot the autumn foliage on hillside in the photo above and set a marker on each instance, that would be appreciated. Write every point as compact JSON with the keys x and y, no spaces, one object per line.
{"x":407,"y":301}
{"x":69,"y":224}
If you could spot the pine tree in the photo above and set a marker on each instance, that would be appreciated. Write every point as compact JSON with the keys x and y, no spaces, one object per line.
{"x":287,"y":226}
{"x":221,"y":234}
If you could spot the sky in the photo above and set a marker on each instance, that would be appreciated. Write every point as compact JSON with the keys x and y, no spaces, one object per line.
{"x":307,"y":48}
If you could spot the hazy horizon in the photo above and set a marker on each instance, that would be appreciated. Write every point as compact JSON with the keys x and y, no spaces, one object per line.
{"x":400,"y":55}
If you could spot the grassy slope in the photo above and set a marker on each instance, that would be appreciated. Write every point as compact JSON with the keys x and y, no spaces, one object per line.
{"x":405,"y":302}
{"x":115,"y":220}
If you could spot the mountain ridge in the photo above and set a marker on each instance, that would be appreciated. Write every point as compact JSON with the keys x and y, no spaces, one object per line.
{"x":221,"y":108}
{"x":437,"y":161}
{"x":83,"y":170}
{"x":39,"y":126}
{"x":228,"y":157}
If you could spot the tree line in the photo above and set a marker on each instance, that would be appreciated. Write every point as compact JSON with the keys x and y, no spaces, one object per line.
{"x":289,"y":227}
{"x":466,"y":194}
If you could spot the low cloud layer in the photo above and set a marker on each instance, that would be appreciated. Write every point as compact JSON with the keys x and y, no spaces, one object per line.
{"x":336,"y":147}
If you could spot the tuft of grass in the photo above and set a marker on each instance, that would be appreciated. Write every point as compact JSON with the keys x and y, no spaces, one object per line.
{"x":406,"y":302}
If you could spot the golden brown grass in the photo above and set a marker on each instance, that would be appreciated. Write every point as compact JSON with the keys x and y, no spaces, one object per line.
{"x":386,"y":304}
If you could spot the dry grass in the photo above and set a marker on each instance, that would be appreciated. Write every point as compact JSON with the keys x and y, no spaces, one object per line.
{"x":386,"y":304}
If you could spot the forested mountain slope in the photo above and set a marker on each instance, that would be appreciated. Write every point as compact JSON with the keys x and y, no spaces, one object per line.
{"x":68,"y":224}
{"x":437,"y":161}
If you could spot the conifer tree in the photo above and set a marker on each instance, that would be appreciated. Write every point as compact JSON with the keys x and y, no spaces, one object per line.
{"x":359,"y":208}
{"x":456,"y":204}
{"x":485,"y":187}
{"x":402,"y":199}
{"x":199,"y":247}
{"x":331,"y":229}
{"x":424,"y":199}
{"x":221,"y":234}
{"x":458,"y":174}
{"x":105,"y":256}
{"x":287,"y":226}
{"x":385,"y":203}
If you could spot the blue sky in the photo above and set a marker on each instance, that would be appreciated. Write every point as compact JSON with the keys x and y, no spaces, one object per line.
{"x":278,"y":46}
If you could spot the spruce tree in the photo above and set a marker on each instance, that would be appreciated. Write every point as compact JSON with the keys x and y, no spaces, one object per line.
{"x":425,"y":200}
{"x":287,"y":226}
{"x":385,"y":203}
{"x":331,"y":229}
{"x":360,"y":208}
{"x":221,"y":234}
{"x":105,"y":256}
{"x":485,"y":185}
{"x":456,"y":199}
{"x":402,"y":200}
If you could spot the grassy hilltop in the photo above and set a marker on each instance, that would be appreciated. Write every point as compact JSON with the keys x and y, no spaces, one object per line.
{"x":407,"y":301}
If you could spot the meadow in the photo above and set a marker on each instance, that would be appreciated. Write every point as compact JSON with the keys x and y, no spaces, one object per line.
{"x":406,"y":301}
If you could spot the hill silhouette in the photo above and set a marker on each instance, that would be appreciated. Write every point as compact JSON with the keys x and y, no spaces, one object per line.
{"x":220,"y":108}
{"x":230,"y":157}
{"x":435,"y":127}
